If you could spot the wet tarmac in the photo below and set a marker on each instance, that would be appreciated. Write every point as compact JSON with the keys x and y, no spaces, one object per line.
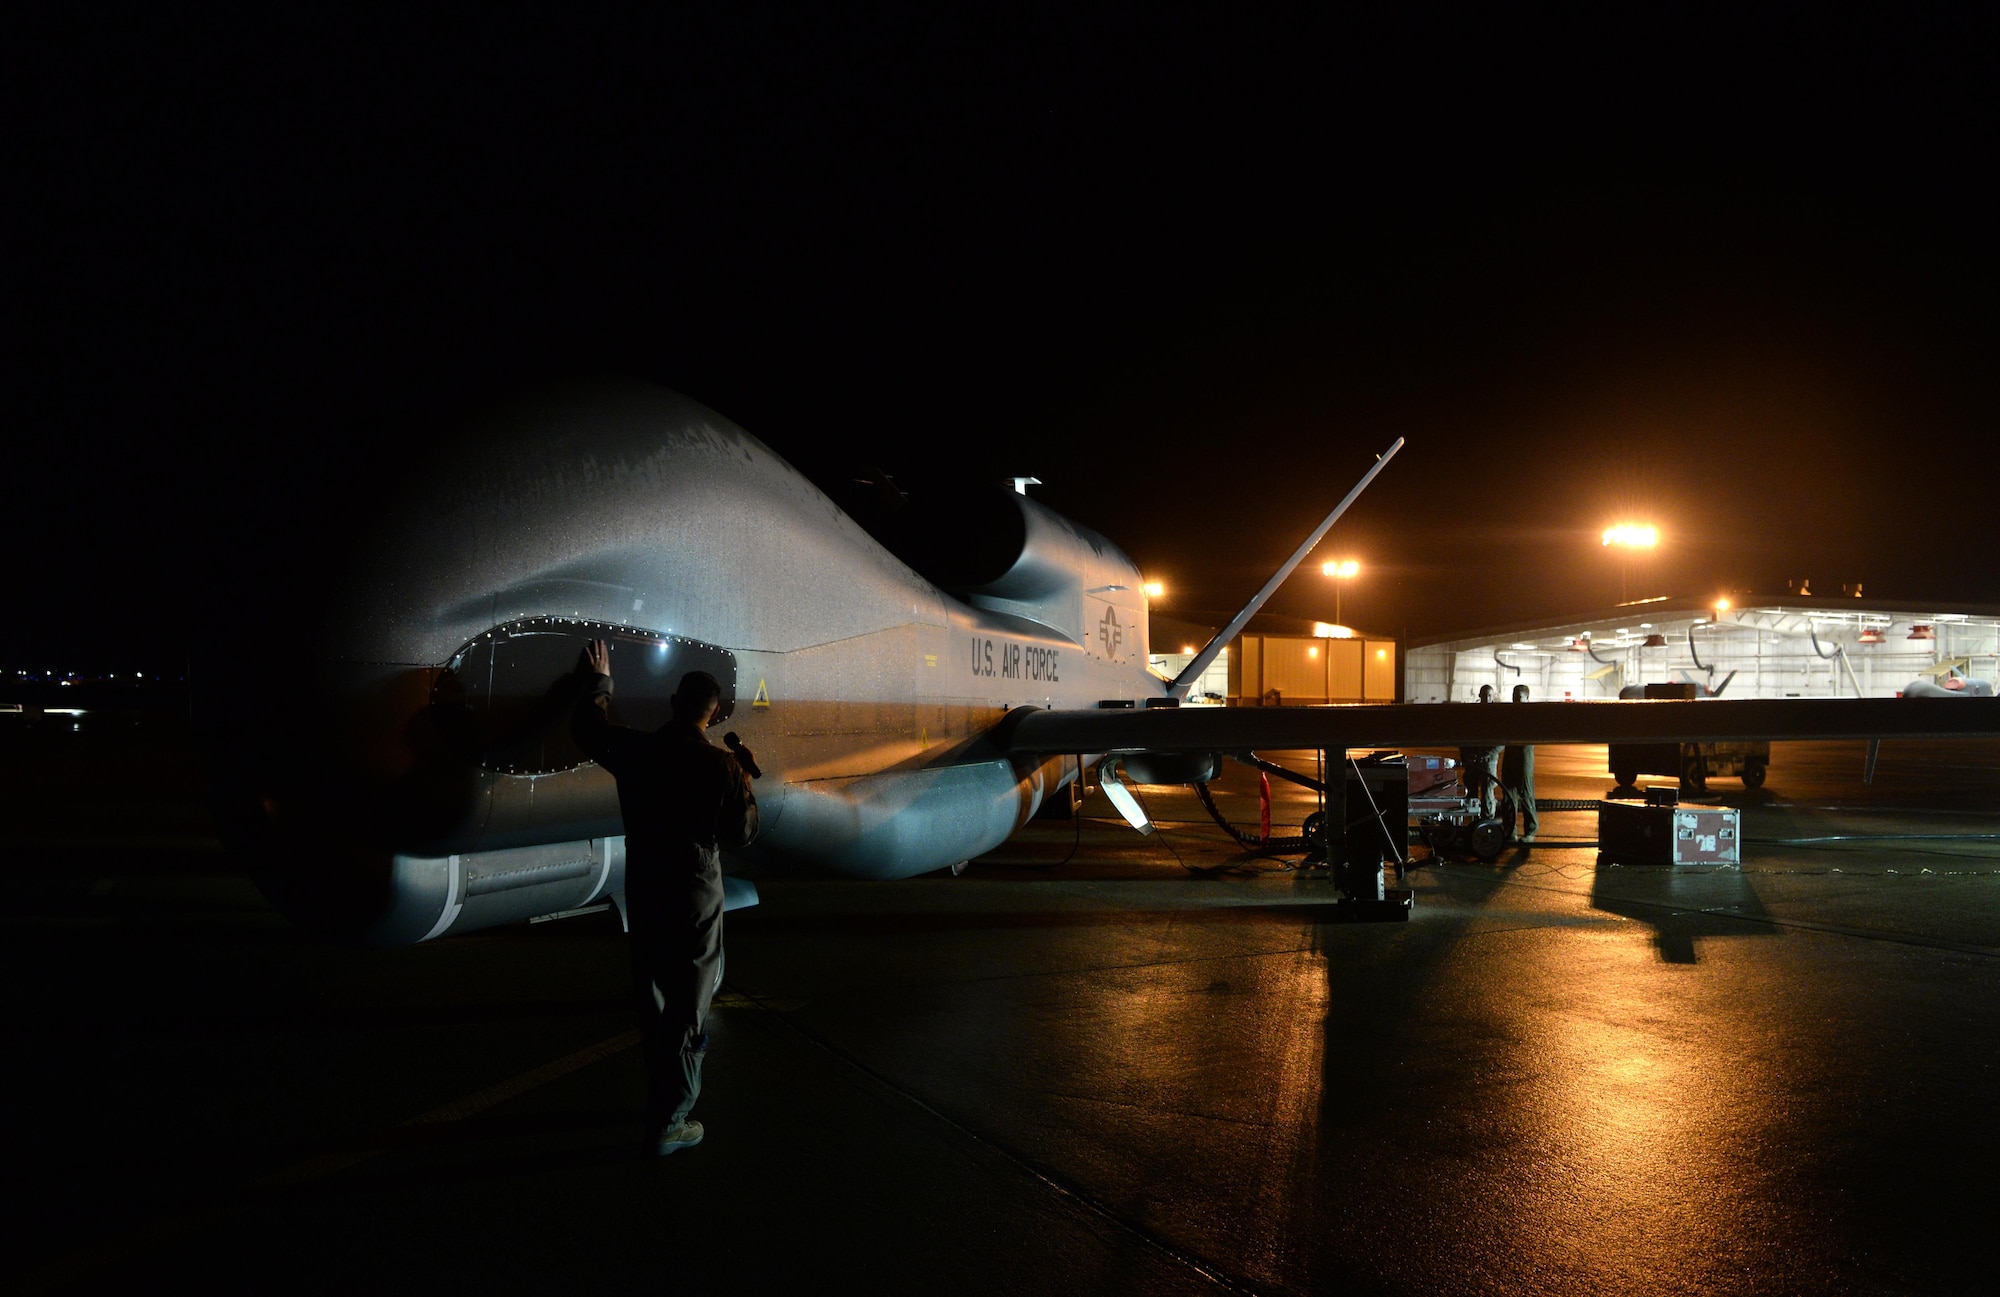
{"x":1094,"y":1062}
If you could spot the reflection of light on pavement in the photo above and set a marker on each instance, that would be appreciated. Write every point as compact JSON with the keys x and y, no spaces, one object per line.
{"x":1624,"y":1097}
{"x":1254,"y":1084}
{"x":1291,"y":1002}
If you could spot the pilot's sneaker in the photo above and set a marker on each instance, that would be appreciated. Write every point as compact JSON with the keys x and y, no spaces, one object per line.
{"x":685,"y":1135}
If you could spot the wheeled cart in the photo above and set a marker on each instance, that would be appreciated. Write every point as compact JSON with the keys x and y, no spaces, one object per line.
{"x":1448,"y":820}
{"x":1694,"y":764}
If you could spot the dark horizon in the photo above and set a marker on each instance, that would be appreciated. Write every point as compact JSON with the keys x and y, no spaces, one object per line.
{"x":1193,"y":278}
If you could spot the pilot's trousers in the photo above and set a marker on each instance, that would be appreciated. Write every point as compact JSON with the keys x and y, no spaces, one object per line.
{"x":675,"y":917}
{"x":1517,"y":776}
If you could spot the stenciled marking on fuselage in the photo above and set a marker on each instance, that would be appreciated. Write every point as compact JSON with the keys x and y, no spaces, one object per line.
{"x":1003,"y":660}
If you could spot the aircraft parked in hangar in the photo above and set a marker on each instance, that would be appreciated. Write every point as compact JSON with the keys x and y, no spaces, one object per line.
{"x":908,"y":715}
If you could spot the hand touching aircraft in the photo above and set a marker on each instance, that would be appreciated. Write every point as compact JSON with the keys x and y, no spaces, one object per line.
{"x":907,"y":715}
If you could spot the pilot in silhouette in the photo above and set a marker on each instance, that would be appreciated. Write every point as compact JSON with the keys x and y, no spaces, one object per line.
{"x":683,"y":801}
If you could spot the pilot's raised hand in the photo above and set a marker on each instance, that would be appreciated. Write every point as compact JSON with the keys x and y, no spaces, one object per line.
{"x":597,"y":656}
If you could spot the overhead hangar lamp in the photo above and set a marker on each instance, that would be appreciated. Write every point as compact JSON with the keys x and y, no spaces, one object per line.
{"x":1922,"y":631}
{"x":1655,"y":640}
{"x":1579,"y":646}
{"x":1870,"y":635}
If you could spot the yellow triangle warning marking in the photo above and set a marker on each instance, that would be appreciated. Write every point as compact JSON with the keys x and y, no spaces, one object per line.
{"x":763,"y":698}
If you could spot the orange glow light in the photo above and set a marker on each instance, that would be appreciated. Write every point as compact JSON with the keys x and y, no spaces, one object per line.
{"x":1632,"y":535}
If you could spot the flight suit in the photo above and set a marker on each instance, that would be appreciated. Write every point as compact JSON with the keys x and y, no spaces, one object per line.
{"x":683,"y":800}
{"x":1517,"y":776}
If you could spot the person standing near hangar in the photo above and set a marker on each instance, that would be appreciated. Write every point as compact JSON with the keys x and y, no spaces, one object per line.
{"x":1517,"y":778}
{"x":683,"y":801}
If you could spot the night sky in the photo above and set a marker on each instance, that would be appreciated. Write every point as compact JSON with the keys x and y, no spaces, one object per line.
{"x":1737,"y":281}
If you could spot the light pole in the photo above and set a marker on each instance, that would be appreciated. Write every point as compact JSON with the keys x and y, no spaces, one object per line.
{"x":1340,"y":570}
{"x":1626,"y":537}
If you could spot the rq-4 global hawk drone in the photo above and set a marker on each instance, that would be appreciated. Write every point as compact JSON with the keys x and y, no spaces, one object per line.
{"x":412,"y":774}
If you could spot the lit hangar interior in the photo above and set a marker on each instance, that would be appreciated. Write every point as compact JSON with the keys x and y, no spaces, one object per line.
{"x":1760,"y":647}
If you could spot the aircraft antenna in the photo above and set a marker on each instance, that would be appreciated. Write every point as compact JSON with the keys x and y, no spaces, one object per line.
{"x":1192,"y":672}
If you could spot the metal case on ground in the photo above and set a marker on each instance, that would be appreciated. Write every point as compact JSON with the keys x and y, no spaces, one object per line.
{"x":1669,"y":835}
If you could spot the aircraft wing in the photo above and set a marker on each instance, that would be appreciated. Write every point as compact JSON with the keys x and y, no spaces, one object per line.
{"x":1441,"y":725}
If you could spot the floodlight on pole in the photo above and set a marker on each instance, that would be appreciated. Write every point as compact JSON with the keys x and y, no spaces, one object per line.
{"x":1339,"y":570}
{"x":1631,"y":535}
{"x":1626,"y":537}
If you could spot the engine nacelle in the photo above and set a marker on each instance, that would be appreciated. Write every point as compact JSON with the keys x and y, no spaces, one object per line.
{"x":1170,"y":767}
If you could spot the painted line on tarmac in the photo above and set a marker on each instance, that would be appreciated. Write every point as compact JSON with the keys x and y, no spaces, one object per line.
{"x":79,"y":1266}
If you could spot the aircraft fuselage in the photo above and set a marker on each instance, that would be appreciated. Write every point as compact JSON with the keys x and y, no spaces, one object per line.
{"x":433,"y":788}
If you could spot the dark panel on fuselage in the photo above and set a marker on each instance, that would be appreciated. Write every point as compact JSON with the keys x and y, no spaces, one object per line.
{"x":519,"y":682}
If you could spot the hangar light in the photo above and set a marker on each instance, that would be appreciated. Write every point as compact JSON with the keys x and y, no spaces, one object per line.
{"x":1921,"y":631}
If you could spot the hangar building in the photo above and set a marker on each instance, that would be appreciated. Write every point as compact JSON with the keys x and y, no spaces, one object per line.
{"x":1284,"y":660}
{"x":1759,"y":647}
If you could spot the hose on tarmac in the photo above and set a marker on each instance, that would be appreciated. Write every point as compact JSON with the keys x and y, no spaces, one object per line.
{"x":1249,"y":841}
